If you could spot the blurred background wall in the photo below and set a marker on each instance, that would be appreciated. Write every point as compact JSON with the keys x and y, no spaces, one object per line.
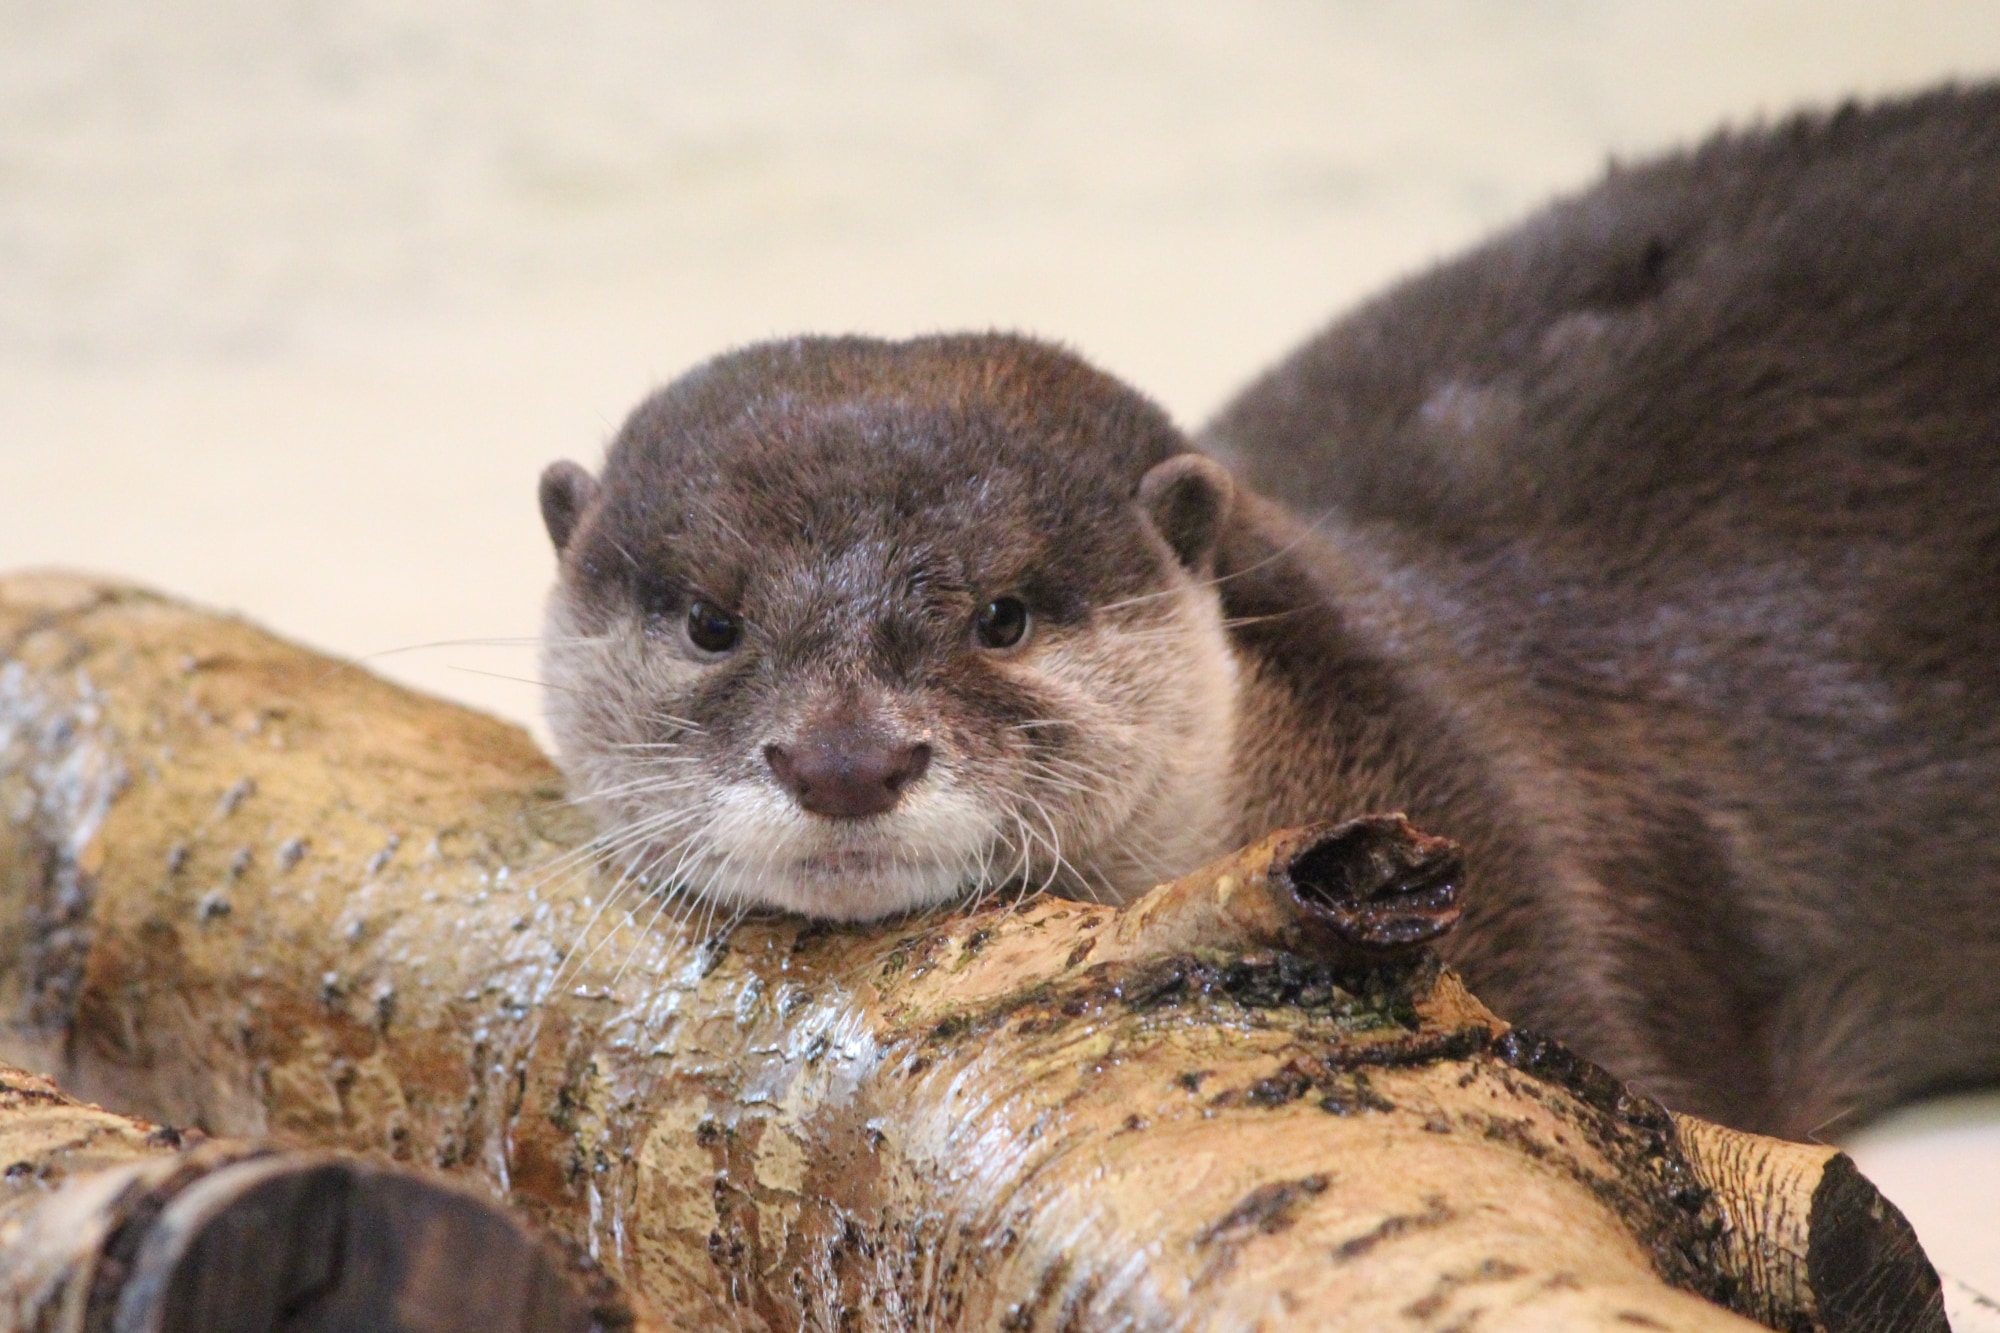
{"x":297,"y":296}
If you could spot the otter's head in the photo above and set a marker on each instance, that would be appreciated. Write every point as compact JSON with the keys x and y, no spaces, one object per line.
{"x":852,"y":627}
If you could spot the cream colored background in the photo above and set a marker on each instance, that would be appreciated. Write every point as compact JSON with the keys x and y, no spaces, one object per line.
{"x":297,"y":296}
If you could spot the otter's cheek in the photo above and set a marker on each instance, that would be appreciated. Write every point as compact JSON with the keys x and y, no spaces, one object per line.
{"x":610,"y":686}
{"x":1097,"y":685}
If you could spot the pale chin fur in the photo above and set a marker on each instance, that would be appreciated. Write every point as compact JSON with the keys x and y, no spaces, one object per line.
{"x":762,"y":850}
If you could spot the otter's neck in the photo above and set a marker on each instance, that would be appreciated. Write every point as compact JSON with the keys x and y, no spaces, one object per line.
{"x":1340,"y":716}
{"x":1354,"y":699}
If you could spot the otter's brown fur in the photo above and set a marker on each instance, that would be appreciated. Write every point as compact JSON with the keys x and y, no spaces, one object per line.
{"x":1652,"y":551}
{"x":1661,"y":566}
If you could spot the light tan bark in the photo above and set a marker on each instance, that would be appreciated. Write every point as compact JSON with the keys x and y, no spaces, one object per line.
{"x":249,"y":888}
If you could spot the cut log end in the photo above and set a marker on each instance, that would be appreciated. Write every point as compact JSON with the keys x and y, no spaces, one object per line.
{"x":1863,"y":1261}
{"x":312,"y":1244}
{"x":1809,"y":1242}
{"x":110,"y":1224}
{"x":341,"y":1245}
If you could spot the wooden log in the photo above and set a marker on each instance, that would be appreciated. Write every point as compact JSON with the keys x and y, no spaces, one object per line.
{"x":243,"y":886}
{"x":110,"y":1223}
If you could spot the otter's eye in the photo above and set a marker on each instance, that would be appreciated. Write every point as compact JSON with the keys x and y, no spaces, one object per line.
{"x":710,"y":628}
{"x":1002,"y":622}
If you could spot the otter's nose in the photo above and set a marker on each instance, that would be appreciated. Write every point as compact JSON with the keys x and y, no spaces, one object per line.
{"x":847,"y":774}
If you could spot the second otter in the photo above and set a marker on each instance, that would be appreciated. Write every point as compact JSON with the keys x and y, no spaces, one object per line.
{"x":1657,"y":560}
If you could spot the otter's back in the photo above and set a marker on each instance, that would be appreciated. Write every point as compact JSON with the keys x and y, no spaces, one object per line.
{"x":1706,"y":462}
{"x":1799,"y":326}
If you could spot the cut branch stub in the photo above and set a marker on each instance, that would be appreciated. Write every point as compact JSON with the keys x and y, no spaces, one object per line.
{"x":1377,"y":883}
{"x":1360,"y":892}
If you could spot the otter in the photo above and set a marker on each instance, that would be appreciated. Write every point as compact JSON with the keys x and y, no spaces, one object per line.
{"x":1651,"y":551}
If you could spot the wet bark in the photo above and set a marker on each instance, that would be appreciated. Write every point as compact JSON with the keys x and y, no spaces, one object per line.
{"x":244,"y":887}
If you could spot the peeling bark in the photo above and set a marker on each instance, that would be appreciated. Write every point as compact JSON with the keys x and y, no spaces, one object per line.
{"x":246,"y":887}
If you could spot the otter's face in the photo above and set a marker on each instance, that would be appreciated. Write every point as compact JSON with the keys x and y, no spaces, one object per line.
{"x":850,"y":628}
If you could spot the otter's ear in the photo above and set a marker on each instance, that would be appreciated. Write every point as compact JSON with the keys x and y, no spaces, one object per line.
{"x":1187,"y":500}
{"x":566,"y":489}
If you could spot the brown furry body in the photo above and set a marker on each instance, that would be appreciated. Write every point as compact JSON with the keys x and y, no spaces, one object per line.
{"x":1654,"y":554}
{"x":1662,"y":567}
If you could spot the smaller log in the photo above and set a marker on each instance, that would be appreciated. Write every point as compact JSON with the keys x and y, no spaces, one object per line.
{"x":114,"y":1225}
